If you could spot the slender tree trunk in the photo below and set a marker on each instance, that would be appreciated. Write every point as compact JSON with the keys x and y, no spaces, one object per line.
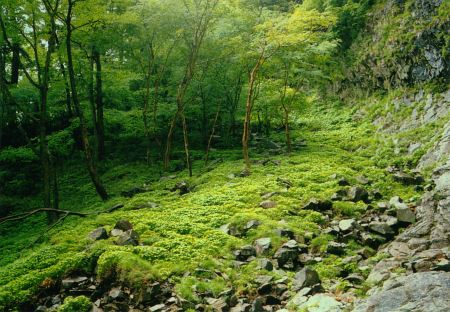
{"x":84,"y":132}
{"x":66,"y":88}
{"x":186,"y":144}
{"x":93,"y":104}
{"x":287,"y":131}
{"x":15,"y":64}
{"x":99,"y":106}
{"x":248,"y":110}
{"x":3,"y":91}
{"x":211,"y":136}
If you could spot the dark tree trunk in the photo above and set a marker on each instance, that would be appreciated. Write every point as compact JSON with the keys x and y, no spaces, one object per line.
{"x":15,"y":64}
{"x":92,"y":103}
{"x":99,"y":106}
{"x":84,"y":132}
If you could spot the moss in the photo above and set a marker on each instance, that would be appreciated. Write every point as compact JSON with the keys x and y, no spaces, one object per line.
{"x":77,"y":304}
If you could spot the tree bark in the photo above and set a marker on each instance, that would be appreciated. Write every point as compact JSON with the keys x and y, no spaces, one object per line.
{"x":248,"y":109}
{"x":84,"y":132}
{"x":15,"y":64}
{"x":211,"y":136}
{"x":99,"y":106}
{"x":92,"y":103}
{"x":186,"y":144}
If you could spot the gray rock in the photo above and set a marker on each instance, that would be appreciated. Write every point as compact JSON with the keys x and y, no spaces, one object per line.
{"x":318,"y":205}
{"x":285,"y":233}
{"x":357,"y":193}
{"x":267,"y":204}
{"x":419,"y":292}
{"x":263,"y":245}
{"x":245,"y":252}
{"x":116,"y":293}
{"x":304,"y":278}
{"x":287,"y":255}
{"x":381,"y":228}
{"x":98,"y":234}
{"x":347,"y":225}
{"x":321,"y":303}
{"x":407,"y":179}
{"x":129,"y":237}
{"x":157,"y":308}
{"x":405,"y":215}
{"x":116,"y":232}
{"x":265,"y":264}
{"x":68,"y":283}
{"x":336,"y":248}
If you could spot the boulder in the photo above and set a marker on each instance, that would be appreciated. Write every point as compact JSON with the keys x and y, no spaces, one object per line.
{"x":419,"y":292}
{"x":318,"y":205}
{"x":343,"y":182}
{"x":183,"y":187}
{"x":287,"y":255}
{"x":98,"y":234}
{"x":262,"y":246}
{"x":123,"y":225}
{"x":405,"y":215}
{"x":407,"y":179}
{"x":72,"y":282}
{"x":347,"y":225}
{"x":381,"y":228}
{"x":129,"y":237}
{"x":285,"y":233}
{"x":306,"y":277}
{"x":357,"y":193}
{"x":265,"y":264}
{"x":336,"y":248}
{"x":245,"y":252}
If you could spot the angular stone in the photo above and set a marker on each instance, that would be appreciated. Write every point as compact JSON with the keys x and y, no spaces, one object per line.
{"x":304,"y":278}
{"x":285,"y":233}
{"x":407,"y":179}
{"x":321,"y":303}
{"x":244,"y":253}
{"x":347,"y":225}
{"x":381,"y":228}
{"x":157,"y":308}
{"x":116,"y":232}
{"x":316,"y":205}
{"x":129,"y":237}
{"x":336,"y":248}
{"x":263,"y":245}
{"x":406,"y":215}
{"x":98,"y":234}
{"x":68,"y":283}
{"x":357,"y":193}
{"x":265,"y":264}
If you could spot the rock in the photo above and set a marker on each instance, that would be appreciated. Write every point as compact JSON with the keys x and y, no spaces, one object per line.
{"x":355,"y":278}
{"x":157,"y":308}
{"x":257,"y":305}
{"x":69,"y":283}
{"x":405,"y":215}
{"x":149,"y":294}
{"x":381,"y":228}
{"x":285,"y":233}
{"x":306,"y":277}
{"x":339,"y":195}
{"x":419,"y":292}
{"x":266,"y":196}
{"x":129,"y":237}
{"x":116,"y":294}
{"x":265,"y":264}
{"x":244,"y":253}
{"x":407,"y":179}
{"x":347,"y":225}
{"x":287,"y":255}
{"x":183,"y":188}
{"x":336,"y":248}
{"x":343,"y":182}
{"x":321,"y":303}
{"x":265,"y":289}
{"x":98,"y":234}
{"x":268,"y":204}
{"x":371,"y":240}
{"x":241,"y":307}
{"x":357,"y":193}
{"x":316,"y":205}
{"x":116,"y":232}
{"x":252,"y":224}
{"x":284,"y":183}
{"x":123,"y":225}
{"x":263,"y":245}
{"x":217,"y":305}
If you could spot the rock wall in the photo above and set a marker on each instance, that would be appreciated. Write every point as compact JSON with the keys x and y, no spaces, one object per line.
{"x":406,"y":42}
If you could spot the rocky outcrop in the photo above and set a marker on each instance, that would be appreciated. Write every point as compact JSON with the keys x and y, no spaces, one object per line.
{"x":422,"y":253}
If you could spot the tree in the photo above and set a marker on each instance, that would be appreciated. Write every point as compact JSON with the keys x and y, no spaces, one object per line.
{"x":90,"y":162}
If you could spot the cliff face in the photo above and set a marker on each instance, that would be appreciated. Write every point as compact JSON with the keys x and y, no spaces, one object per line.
{"x":405,"y":42}
{"x":407,"y":54}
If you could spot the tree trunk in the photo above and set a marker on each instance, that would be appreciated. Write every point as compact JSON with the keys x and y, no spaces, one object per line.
{"x":3,"y":91}
{"x":248,"y":110}
{"x":15,"y":64}
{"x":92,"y":103}
{"x":213,"y":130}
{"x":186,"y":144}
{"x":84,"y":132}
{"x":66,"y":88}
{"x":287,"y":131}
{"x":99,"y":108}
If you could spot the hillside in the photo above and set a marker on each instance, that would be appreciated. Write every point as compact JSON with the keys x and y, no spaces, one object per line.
{"x":342,"y":206}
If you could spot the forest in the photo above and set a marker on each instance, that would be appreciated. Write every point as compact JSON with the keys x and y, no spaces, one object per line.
{"x":223,"y":155}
